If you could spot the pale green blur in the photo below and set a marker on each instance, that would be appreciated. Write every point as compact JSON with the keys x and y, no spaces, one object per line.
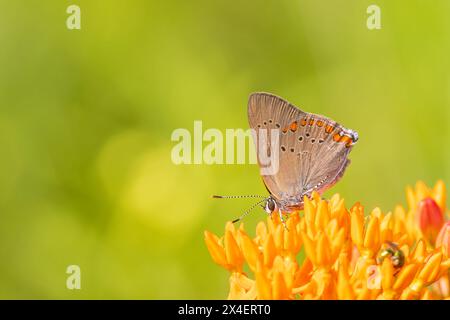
{"x":86,"y":118}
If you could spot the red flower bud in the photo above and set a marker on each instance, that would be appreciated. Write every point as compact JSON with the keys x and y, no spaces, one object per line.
{"x":431,"y":219}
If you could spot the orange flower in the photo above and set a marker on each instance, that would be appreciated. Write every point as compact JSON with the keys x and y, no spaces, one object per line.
{"x":346,"y":255}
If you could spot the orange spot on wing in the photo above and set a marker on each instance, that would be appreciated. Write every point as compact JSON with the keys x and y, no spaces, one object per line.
{"x":303,"y":122}
{"x":329,"y":129}
{"x":319,"y":123}
{"x":337,"y":137}
{"x":311,"y":122}
{"x":347,"y":140}
{"x":293,"y":126}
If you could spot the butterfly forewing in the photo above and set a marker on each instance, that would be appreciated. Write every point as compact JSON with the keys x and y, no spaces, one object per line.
{"x":266,"y":111}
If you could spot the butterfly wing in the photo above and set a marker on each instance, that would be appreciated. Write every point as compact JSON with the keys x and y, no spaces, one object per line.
{"x":313,"y":149}
{"x":266,"y":111}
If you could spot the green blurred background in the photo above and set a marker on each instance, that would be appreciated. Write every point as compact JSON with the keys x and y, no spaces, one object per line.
{"x":86,"y":117}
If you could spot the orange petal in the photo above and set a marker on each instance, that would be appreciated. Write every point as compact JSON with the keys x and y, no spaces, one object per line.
{"x":364,"y":294}
{"x":334,"y":200}
{"x":376,"y":212}
{"x":251,"y":293}
{"x":399,"y":220}
{"x":372,"y":236}
{"x":405,"y":276}
{"x":409,"y":294}
{"x":250,"y":250}
{"x":236,"y":291}
{"x":357,"y":226}
{"x":411,"y":198}
{"x":386,"y":228}
{"x":243,"y":281}
{"x":431,"y":268}
{"x":229,"y":226}
{"x":263,"y":287}
{"x":422,"y":191}
{"x":310,"y":212}
{"x":339,"y":210}
{"x":344,"y":289}
{"x":271,"y":223}
{"x":269,"y":251}
{"x":332,"y":228}
{"x":419,"y":251}
{"x":323,"y":254}
{"x":309,"y":248}
{"x":278,"y":264}
{"x":439,"y":194}
{"x":302,"y":275}
{"x":232,"y":251}
{"x":316,"y":196}
{"x":215,"y":250}
{"x":443,"y":239}
{"x":289,"y":273}
{"x":426,"y":295}
{"x":387,"y":274}
{"x":279,"y":237}
{"x":290,"y":241}
{"x":322,"y":215}
{"x":261,"y":231}
{"x":279,"y":287}
{"x":338,"y":244}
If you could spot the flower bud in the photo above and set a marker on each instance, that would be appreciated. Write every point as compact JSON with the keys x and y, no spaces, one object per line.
{"x":431,"y":219}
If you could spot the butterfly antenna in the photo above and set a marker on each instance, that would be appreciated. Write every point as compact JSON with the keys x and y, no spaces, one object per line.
{"x":238,"y":197}
{"x":248,"y":211}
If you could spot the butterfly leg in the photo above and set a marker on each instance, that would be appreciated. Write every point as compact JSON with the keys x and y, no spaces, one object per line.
{"x":280,"y":214}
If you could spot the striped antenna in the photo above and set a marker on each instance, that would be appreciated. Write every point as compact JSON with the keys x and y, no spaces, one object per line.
{"x":238,"y":197}
{"x":248,"y":211}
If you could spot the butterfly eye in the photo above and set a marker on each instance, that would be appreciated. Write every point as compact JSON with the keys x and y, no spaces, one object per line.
{"x":292,"y":150}
{"x":283,"y":148}
{"x":300,"y":138}
{"x":313,"y":140}
{"x":270,"y":121}
{"x":307,"y":134}
{"x":270,"y":206}
{"x":277,"y":125}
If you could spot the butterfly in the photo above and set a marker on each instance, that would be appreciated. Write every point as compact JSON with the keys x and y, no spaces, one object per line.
{"x":312,"y":152}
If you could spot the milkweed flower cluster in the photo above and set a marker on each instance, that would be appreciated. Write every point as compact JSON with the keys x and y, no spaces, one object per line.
{"x":330,"y":252}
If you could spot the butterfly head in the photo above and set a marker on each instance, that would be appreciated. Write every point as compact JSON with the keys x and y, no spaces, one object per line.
{"x":270,"y":205}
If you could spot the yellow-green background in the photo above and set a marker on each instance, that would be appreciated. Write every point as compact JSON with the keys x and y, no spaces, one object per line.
{"x":86,"y":118}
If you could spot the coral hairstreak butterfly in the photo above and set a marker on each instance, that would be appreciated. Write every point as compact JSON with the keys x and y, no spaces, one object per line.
{"x":312,"y":152}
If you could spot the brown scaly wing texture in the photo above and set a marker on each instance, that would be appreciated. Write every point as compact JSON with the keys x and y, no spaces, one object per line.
{"x":312,"y":153}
